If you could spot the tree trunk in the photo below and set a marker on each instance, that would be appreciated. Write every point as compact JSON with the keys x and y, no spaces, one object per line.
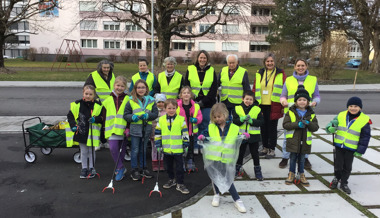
{"x":375,"y":66}
{"x":163,"y":48}
{"x":366,"y":50}
{"x":2,"y":40}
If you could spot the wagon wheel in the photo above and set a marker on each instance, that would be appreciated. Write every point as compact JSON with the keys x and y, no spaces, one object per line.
{"x":30,"y":157}
{"x":46,"y":151}
{"x":77,"y":157}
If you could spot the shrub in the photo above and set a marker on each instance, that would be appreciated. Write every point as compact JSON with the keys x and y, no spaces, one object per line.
{"x":32,"y":54}
{"x":124,"y":56}
{"x":95,"y":59}
{"x":216,"y":57}
{"x":112,"y":57}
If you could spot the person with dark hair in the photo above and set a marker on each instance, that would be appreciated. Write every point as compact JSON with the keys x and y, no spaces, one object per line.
{"x":144,"y":74}
{"x":267,"y":88}
{"x":102,"y":79}
{"x":201,"y":77}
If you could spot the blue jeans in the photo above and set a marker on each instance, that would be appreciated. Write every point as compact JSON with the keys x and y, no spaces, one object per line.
{"x":294,"y":159}
{"x":204,"y":125}
{"x":137,"y":152}
{"x":286,"y":154}
{"x":232,"y":191}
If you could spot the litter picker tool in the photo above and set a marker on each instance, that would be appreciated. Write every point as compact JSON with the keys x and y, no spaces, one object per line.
{"x":156,"y":187}
{"x":92,"y":150}
{"x":192,"y":154}
{"x":334,"y":155}
{"x":110,"y":185}
{"x":143,"y":150}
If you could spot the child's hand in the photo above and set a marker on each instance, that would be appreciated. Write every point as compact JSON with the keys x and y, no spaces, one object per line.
{"x":159,"y":149}
{"x":334,"y":122}
{"x":193,"y":120}
{"x":74,"y":128}
{"x":144,"y":117}
{"x":135,"y":118}
{"x":242,"y":119}
{"x":357,"y":154}
{"x":250,"y":121}
{"x":246,"y":135}
{"x":331,"y":130}
{"x":92,"y":120}
{"x":201,"y":137}
{"x":306,"y":122}
{"x":301,"y":125}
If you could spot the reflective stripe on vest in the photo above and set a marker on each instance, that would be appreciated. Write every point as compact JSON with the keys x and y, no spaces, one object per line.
{"x":149,"y":79}
{"x":276,"y":89}
{"x":349,"y":137}
{"x":102,"y":89}
{"x":292,"y":86}
{"x":290,"y":133}
{"x":115,"y":122}
{"x":137,"y":110}
{"x":170,"y":90}
{"x":74,"y":108}
{"x":172,"y":139}
{"x":224,"y":152}
{"x":196,"y":110}
{"x":253,"y":114}
{"x":232,"y":89}
{"x":195,"y":83}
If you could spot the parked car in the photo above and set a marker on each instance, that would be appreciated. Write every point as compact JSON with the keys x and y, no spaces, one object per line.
{"x":353,"y":63}
{"x":313,"y":62}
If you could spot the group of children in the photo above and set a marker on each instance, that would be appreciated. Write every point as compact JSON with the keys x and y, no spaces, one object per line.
{"x":174,"y":126}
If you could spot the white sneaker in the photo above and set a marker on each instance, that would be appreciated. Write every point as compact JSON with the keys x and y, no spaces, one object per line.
{"x":127,"y":157}
{"x":97,"y":148}
{"x":240,"y":206}
{"x":215,"y":201}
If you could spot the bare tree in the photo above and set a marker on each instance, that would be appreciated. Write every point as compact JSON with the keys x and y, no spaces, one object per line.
{"x":13,"y":12}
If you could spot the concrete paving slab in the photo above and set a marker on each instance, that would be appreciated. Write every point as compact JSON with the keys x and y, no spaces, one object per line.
{"x":312,"y":205}
{"x":320,"y":131}
{"x":365,"y":189}
{"x":375,"y":132}
{"x":14,"y":123}
{"x":374,"y":142}
{"x":264,"y":186}
{"x":318,"y":145}
{"x":270,"y":169}
{"x":203,"y":208}
{"x":320,"y":165}
{"x":327,"y":137}
{"x":372,"y":155}
{"x":169,"y":215}
{"x":358,"y":165}
{"x":316,"y":185}
{"x":376,"y":212}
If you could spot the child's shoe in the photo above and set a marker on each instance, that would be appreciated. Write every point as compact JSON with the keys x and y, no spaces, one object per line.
{"x":270,"y":154}
{"x":215,"y":200}
{"x":83,"y":173}
{"x":307,"y":164}
{"x":145,"y":172}
{"x":182,"y":188}
{"x":170,"y":183}
{"x":120,"y":173}
{"x":135,"y":175}
{"x":127,"y":157}
{"x":91,"y":173}
{"x":263,"y":152}
{"x":303,"y":180}
{"x":290,"y":178}
{"x":239,"y":172}
{"x":334,"y":183}
{"x":240,"y":206}
{"x":258,"y":174}
{"x":283,"y":163}
{"x":345,"y":188}
{"x":155,"y":166}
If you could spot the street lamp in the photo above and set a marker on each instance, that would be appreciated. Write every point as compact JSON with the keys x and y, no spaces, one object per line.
{"x":152,"y":33}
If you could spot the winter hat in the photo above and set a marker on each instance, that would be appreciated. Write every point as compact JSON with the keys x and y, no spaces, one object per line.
{"x":160,"y":97}
{"x":355,"y":101}
{"x":301,"y":92}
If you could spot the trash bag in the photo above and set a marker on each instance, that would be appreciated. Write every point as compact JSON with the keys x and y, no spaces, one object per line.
{"x":219,"y":157}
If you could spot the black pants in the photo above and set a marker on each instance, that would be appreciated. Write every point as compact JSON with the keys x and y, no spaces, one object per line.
{"x":169,"y":160}
{"x":268,"y":129}
{"x":254,"y":149}
{"x":343,"y":164}
{"x":190,"y":151}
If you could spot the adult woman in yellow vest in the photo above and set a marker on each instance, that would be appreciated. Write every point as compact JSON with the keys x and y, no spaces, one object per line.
{"x":267,"y":88}
{"x":146,"y":75}
{"x":352,"y":134}
{"x":140,"y":111}
{"x":300,"y":76}
{"x":102,"y":79}
{"x":234,"y":82}
{"x":201,"y":77}
{"x":169,"y":81}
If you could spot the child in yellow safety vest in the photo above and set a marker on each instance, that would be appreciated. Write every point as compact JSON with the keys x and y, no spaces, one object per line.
{"x":160,"y":101}
{"x":249,"y":118}
{"x":172,"y":138}
{"x":299,"y":122}
{"x":115,"y":124}
{"x":220,"y":126}
{"x":82,"y":114}
{"x":352,"y":134}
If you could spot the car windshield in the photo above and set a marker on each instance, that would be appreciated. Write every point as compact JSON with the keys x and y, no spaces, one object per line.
{"x":356,"y":60}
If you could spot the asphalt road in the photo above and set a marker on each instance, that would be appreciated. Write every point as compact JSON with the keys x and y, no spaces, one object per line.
{"x":56,"y":101}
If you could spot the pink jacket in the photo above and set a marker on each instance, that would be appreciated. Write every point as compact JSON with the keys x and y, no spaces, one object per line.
{"x":192,"y":110}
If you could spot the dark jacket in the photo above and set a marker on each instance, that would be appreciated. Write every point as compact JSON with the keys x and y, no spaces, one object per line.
{"x":256,"y":122}
{"x":204,"y":101}
{"x":300,"y":134}
{"x":277,"y":111}
{"x":82,"y":122}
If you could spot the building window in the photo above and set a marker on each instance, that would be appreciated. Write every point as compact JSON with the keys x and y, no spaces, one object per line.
{"x":23,"y":40}
{"x":231,"y":29}
{"x":136,"y":7}
{"x":207,"y":46}
{"x":132,"y":27}
{"x":111,"y":44}
{"x":259,"y":30}
{"x":16,"y":11}
{"x":111,"y":26}
{"x":260,"y":11}
{"x":203,"y":27}
{"x":132,"y":44}
{"x":149,"y":45}
{"x":87,"y":6}
{"x":230,"y":46}
{"x":88,"y":25}
{"x":110,"y":7}
{"x":258,"y":48}
{"x":209,"y":9}
{"x":179,"y":46}
{"x":231,"y":10}
{"x":20,"y":26}
{"x":89,"y":43}
{"x":180,"y":29}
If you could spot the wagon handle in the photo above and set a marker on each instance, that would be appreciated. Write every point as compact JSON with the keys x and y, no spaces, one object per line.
{"x":23,"y":128}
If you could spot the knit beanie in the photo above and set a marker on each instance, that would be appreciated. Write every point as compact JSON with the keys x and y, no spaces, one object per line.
{"x":301,"y":92}
{"x":160,"y":97}
{"x":355,"y":101}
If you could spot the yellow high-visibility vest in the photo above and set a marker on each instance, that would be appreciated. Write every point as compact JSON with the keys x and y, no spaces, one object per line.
{"x":172,"y":139}
{"x":196,"y":111}
{"x":232,"y":89}
{"x":277,"y":88}
{"x":137,"y":110}
{"x":102,"y":89}
{"x":115,"y":123}
{"x":170,"y":90}
{"x":253,"y":113}
{"x":195,"y":83}
{"x":290,"y":133}
{"x":149,"y":79}
{"x":292,"y":86}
